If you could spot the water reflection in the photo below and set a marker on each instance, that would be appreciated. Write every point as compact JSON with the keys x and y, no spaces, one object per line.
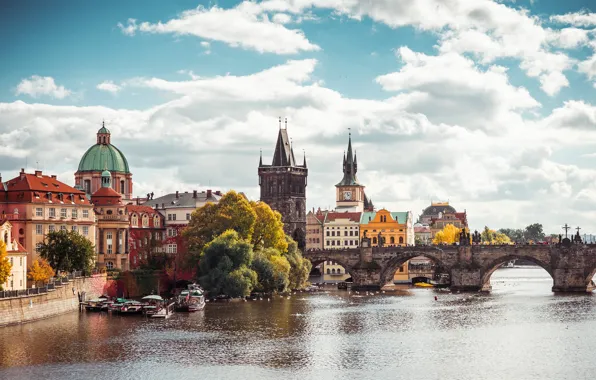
{"x":521,"y":330}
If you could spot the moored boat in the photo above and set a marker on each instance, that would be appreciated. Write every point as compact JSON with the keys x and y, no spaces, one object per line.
{"x":191,"y":299}
{"x":98,"y":304}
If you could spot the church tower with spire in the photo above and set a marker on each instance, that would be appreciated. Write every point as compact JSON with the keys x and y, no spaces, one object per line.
{"x":349,"y":192}
{"x":283,"y":186}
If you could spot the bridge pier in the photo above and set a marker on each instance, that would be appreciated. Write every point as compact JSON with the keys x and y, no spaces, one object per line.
{"x":366,"y":279}
{"x":571,"y":280}
{"x":466,"y":280}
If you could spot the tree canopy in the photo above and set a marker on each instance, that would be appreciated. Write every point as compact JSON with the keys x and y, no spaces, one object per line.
{"x":492,"y":237}
{"x":5,"y":265}
{"x":40,"y":271}
{"x":534,"y":232}
{"x":68,"y":251}
{"x":448,"y":235}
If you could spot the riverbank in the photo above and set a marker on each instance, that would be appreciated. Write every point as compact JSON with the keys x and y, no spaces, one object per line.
{"x":55,"y":302}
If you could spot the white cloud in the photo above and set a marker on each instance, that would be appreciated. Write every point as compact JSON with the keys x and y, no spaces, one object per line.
{"x":569,"y":38}
{"x":582,"y":18}
{"x":588,"y":67}
{"x":244,"y":26}
{"x":281,"y":18}
{"x":36,"y":85}
{"x":109,"y":86}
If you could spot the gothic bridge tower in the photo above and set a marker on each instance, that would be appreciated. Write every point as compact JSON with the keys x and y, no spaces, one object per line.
{"x":283,"y":187}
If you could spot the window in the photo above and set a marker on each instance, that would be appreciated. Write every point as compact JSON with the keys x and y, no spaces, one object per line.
{"x":37,"y":247}
{"x":21,"y":263}
{"x":109,"y":235}
{"x":170,"y":217}
{"x":85,"y":230}
{"x":110,"y":265}
{"x":62,"y":228}
{"x":333,"y":271}
{"x":11,"y":261}
{"x":75,"y":213}
{"x":39,"y":229}
{"x":327,"y":233}
{"x":85,"y":213}
{"x":374,"y":240}
{"x":109,"y":251}
{"x":328,"y":271}
{"x":134,"y":220}
{"x":345,"y":233}
{"x":63,"y":213}
{"x":328,"y":242}
{"x":156,"y":221}
{"x":392,"y":240}
{"x":145,"y":221}
{"x":122,"y":187}
{"x":75,"y":228}
{"x":172,"y":232}
{"x":51,"y":228}
{"x":52,"y":212}
{"x":401,"y":240}
{"x":172,"y":248}
{"x":38,"y":211}
{"x":187,"y":216}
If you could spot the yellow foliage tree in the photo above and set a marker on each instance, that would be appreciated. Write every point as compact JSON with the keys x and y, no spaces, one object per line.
{"x":492,"y":237}
{"x":40,"y":271}
{"x":5,"y":265}
{"x":268,"y":229}
{"x":448,"y":235}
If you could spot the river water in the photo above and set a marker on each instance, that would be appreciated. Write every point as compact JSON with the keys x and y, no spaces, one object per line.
{"x":519,"y":331}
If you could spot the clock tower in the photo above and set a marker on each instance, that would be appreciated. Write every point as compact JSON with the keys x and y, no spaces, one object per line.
{"x":349,"y":192}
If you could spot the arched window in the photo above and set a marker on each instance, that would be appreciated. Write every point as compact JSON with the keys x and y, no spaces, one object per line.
{"x":332,"y":271}
{"x":134,"y":220}
{"x":298,"y":209}
{"x":16,"y":211}
{"x":392,"y":240}
{"x":145,"y":220}
{"x":328,"y":271}
{"x":374,"y":240}
{"x":401,"y":240}
{"x":156,"y":221}
{"x":109,"y":264}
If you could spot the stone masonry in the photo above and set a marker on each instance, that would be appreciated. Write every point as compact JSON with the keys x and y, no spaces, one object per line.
{"x":470,"y":267}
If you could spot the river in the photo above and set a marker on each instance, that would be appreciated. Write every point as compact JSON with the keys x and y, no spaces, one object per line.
{"x":519,"y":331}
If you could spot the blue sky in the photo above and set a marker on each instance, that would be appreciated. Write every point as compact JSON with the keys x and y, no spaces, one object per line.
{"x":489,"y":104}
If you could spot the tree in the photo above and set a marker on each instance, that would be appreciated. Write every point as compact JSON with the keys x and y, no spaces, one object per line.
{"x":40,"y":271}
{"x":268,"y":229}
{"x":493,"y":237}
{"x":68,"y":251}
{"x":513,"y":234}
{"x":5,"y":265}
{"x":534,"y":232}
{"x":448,"y":235}
{"x":224,"y":266}
{"x":299,"y":266}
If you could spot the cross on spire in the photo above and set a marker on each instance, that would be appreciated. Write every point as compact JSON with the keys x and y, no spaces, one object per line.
{"x":566,"y":228}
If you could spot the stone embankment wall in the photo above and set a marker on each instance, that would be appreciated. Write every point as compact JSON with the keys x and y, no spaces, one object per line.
{"x":55,"y":302}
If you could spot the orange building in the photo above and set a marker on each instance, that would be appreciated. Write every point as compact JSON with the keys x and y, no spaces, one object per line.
{"x":36,"y":204}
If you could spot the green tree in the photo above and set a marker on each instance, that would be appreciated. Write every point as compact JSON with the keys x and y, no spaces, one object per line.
{"x":513,"y":234}
{"x":299,"y":266}
{"x":68,"y":251}
{"x":227,"y":254}
{"x":534,"y":232}
{"x":493,"y":237}
{"x":5,"y":265}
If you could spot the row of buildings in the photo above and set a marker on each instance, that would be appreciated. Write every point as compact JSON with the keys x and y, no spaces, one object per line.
{"x":123,"y":229}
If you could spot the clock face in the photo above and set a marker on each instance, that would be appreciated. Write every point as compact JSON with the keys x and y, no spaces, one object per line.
{"x":347,"y":195}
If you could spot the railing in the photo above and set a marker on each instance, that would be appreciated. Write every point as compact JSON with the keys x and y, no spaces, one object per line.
{"x":53,"y":282}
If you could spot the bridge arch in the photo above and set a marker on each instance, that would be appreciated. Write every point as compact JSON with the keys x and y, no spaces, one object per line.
{"x":331,"y":257}
{"x":398,"y":260}
{"x":590,"y":283}
{"x":495,"y":264}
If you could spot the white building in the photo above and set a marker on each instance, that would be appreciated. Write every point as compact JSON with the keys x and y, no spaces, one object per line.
{"x":17,"y":255}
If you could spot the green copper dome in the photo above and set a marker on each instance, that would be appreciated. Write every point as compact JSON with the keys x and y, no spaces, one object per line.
{"x":102,"y":157}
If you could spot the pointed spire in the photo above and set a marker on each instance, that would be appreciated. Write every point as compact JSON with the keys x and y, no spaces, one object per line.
{"x":349,"y":166}
{"x":280,"y":122}
{"x":261,"y":158}
{"x":304,"y":163}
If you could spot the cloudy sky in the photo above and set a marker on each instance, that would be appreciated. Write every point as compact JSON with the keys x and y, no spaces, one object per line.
{"x":488,"y":104}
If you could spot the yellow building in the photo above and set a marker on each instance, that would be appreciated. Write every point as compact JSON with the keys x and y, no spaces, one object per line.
{"x":395,"y":228}
{"x":17,"y":255}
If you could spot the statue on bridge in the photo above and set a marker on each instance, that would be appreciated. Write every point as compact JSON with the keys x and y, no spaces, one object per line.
{"x":464,"y":237}
{"x":476,"y":237}
{"x":577,"y":239}
{"x":381,"y":240}
{"x":365,"y":242}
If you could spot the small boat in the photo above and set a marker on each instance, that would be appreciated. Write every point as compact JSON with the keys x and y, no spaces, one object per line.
{"x":153,"y":304}
{"x":342,"y":286}
{"x":191,"y":299}
{"x":98,"y":304}
{"x":165,"y":311}
{"x":131,"y":307}
{"x":424,"y":285}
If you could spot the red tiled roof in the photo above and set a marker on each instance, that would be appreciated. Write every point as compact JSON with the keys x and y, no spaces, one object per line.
{"x":35,"y":188}
{"x":352,"y":216}
{"x":140,"y":209}
{"x":20,"y":248}
{"x":106,"y":192}
{"x":422,"y":229}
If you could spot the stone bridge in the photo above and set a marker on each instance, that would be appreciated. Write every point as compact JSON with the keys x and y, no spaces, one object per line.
{"x":470,"y":267}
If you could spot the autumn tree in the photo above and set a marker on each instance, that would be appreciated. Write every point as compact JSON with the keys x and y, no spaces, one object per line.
{"x":5,"y":265}
{"x":299,"y":266}
{"x":492,"y":237}
{"x":268,"y":229}
{"x":40,"y":271}
{"x":448,"y":235}
{"x":68,"y":251}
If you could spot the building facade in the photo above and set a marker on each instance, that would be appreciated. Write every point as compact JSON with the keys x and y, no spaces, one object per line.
{"x":112,"y":226}
{"x":147,"y":233}
{"x":349,"y":193}
{"x":283,"y":187}
{"x":36,"y":204}
{"x":104,"y":156}
{"x":314,"y":229}
{"x":17,"y":256}
{"x":422,"y":234}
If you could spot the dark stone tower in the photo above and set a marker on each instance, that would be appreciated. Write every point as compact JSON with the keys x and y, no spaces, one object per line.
{"x":283,"y":187}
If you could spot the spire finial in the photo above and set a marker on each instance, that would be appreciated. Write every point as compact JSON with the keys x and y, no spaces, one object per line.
{"x":286,"y":122}
{"x":280,"y":122}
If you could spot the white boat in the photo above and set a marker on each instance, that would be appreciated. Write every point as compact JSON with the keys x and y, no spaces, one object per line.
{"x":165,"y":312}
{"x":191,"y":299}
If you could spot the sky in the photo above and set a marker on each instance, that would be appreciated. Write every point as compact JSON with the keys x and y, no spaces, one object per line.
{"x":490,"y":105}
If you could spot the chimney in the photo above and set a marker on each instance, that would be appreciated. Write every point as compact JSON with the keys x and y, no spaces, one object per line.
{"x":209,"y":193}
{"x":194,"y":193}
{"x":163,"y":206}
{"x":218,"y":192}
{"x":53,"y":176}
{"x":138,"y":201}
{"x":22,"y":170}
{"x":177,"y":194}
{"x":38,"y":173}
{"x":22,"y":173}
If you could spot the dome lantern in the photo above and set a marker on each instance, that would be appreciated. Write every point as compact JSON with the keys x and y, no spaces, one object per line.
{"x":103,"y":135}
{"x":106,"y":178}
